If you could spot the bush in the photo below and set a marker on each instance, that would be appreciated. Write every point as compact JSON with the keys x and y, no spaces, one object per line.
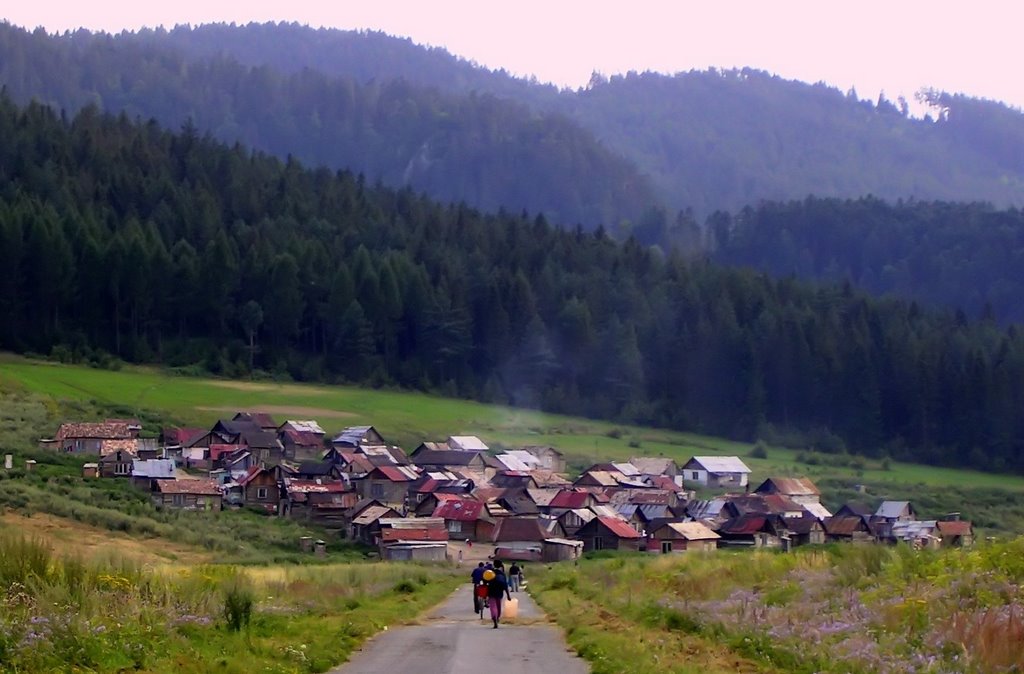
{"x":405,"y":587}
{"x":759,"y":451}
{"x":238,"y":603}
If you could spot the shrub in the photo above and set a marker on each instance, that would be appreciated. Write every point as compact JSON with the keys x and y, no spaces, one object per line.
{"x":238,"y":603}
{"x":405,"y":587}
{"x":760,"y":450}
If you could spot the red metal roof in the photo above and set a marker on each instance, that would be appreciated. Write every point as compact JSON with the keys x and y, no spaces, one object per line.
{"x":619,"y":527}
{"x":394,"y":473}
{"x":570,"y":498}
{"x":462,"y":510}
{"x":216,"y":451}
{"x":744,"y":524}
{"x":403,"y":534}
{"x":303,"y":438}
{"x":954,"y":528}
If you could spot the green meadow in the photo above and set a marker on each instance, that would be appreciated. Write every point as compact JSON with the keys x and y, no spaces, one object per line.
{"x":408,"y":418}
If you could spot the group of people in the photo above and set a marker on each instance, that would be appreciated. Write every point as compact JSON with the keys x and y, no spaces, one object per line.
{"x":491,"y":584}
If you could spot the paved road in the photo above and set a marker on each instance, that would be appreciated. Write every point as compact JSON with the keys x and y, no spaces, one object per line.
{"x":451,"y":639}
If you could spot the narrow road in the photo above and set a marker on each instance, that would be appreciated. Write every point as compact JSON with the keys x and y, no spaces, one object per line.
{"x":451,"y":639}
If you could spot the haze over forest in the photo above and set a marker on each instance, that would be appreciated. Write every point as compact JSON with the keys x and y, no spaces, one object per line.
{"x":434,"y":224}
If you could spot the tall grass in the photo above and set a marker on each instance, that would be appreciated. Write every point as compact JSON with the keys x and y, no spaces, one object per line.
{"x":63,"y":614}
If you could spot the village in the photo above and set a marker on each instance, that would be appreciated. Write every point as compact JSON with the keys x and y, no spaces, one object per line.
{"x":452,"y":496}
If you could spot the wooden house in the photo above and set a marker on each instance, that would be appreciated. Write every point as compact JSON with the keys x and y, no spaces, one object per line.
{"x":805,"y":530}
{"x":117,"y":464}
{"x":261,"y":489}
{"x":848,"y":529}
{"x":355,"y":437}
{"x":668,"y":536}
{"x":389,"y":484}
{"x":716,"y":471}
{"x":413,"y":539}
{"x":752,"y":530}
{"x":609,"y":533}
{"x":798,"y":489}
{"x":365,"y":526}
{"x":465,"y":519}
{"x":322,"y":502}
{"x":90,"y":438}
{"x":550,"y":458}
{"x":145,"y":473}
{"x":955,"y":533}
{"x":652,"y":466}
{"x":186,"y":495}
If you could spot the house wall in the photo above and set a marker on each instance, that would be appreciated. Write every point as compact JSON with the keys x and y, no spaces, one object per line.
{"x":383,"y":490}
{"x":263,"y":492}
{"x":81,"y":445}
{"x":187,"y":501}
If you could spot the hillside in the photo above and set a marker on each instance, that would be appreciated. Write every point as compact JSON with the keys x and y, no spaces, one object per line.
{"x":122,"y":238}
{"x":487,"y":152}
{"x":709,"y":140}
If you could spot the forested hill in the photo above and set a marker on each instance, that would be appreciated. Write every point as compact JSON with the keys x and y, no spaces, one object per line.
{"x":968,"y":256}
{"x":172,"y":248}
{"x":488,"y":152}
{"x":709,"y":140}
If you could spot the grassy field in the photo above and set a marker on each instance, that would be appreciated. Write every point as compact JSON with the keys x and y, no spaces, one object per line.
{"x":405,"y":418}
{"x":62,"y":614}
{"x":836,"y":609}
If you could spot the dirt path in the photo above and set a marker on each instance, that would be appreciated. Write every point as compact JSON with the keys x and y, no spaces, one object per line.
{"x":453,"y":640}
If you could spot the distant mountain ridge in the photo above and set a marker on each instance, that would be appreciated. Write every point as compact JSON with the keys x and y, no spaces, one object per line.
{"x":709,"y":140}
{"x":607,"y":154}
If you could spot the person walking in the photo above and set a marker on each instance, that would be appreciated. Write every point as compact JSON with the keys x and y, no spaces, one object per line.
{"x":513,"y":577}
{"x":497,"y":589}
{"x":477,"y":579}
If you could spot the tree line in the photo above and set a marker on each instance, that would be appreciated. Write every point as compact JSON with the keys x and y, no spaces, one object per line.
{"x":120,"y":237}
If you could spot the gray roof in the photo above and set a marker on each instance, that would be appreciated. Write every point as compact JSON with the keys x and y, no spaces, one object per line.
{"x":720,"y":464}
{"x":891,"y":509}
{"x":153,"y":468}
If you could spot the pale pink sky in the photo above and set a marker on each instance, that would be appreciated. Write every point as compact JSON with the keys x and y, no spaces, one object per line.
{"x":897,"y":46}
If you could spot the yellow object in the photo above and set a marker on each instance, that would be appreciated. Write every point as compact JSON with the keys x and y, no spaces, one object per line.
{"x":510,"y":609}
{"x":488,"y":575}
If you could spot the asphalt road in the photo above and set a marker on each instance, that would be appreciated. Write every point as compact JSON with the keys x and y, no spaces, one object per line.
{"x":451,"y":639}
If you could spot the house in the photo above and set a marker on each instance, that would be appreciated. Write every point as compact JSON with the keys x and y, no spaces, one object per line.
{"x":349,"y":462}
{"x":117,"y":464}
{"x":145,"y":473}
{"x":322,"y":502}
{"x":798,"y":489}
{"x":955,"y":533}
{"x":599,"y":478}
{"x":561,"y":550}
{"x":90,"y":470}
{"x":888,"y":514}
{"x":655,"y":466}
{"x":513,"y":479}
{"x":804,"y":530}
{"x":447,"y":458}
{"x":90,"y":438}
{"x":521,"y":534}
{"x":261,"y":420}
{"x":303,"y":426}
{"x":323,"y":470}
{"x":261,"y":489}
{"x":848,"y":529}
{"x":384,"y":455}
{"x":365,"y":525}
{"x":388,"y":484}
{"x":668,"y":536}
{"x":716,"y":471}
{"x":518,"y":502}
{"x":465,"y":519}
{"x":609,"y":533}
{"x":919,"y":534}
{"x":186,"y":494}
{"x":413,"y":539}
{"x":752,"y":530}
{"x":466,"y":443}
{"x":855,"y":509}
{"x":355,"y":437}
{"x":300,"y":444}
{"x":550,"y":458}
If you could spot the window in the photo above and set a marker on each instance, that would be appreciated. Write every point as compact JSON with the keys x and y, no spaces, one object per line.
{"x":261,"y":493}
{"x":179,"y":500}
{"x":695,"y":475}
{"x":598,"y":543}
{"x":122,"y":469}
{"x":377,"y":490}
{"x":454,"y":526}
{"x":666,"y":547}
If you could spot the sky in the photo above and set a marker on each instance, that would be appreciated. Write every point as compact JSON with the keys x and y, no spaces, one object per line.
{"x":898,"y":46}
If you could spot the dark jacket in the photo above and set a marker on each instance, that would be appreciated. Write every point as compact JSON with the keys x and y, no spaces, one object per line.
{"x":478,"y":575}
{"x":498,"y":587}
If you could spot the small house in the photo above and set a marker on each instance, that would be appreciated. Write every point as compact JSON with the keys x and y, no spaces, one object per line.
{"x":752,"y":530}
{"x":652,"y":466}
{"x":667,"y":537}
{"x":848,"y":529}
{"x":550,"y":458}
{"x":323,"y":502}
{"x":561,"y":550}
{"x":117,"y":464}
{"x":465,"y":519}
{"x":466,"y":443}
{"x":716,"y":471}
{"x":261,"y":420}
{"x":89,"y":438}
{"x":798,"y":489}
{"x":805,"y":530}
{"x":955,"y":533}
{"x":365,"y":525}
{"x":389,"y":484}
{"x":186,"y":495}
{"x":355,"y":437}
{"x":609,"y":533}
{"x":145,"y":473}
{"x":261,"y":489}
